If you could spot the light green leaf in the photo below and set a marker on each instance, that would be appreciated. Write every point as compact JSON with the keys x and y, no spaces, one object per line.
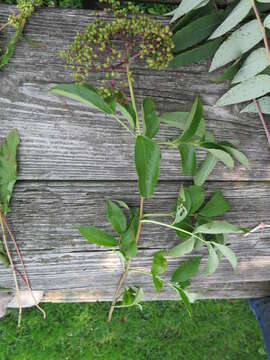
{"x":238,"y":155}
{"x":193,"y":121}
{"x":128,"y":244}
{"x":116,"y":217}
{"x":188,"y":158}
{"x":151,"y":121}
{"x":4,"y":59}
{"x":236,"y":16}
{"x":97,"y":236}
{"x":185,"y":7}
{"x":129,"y":114}
{"x":218,"y":227}
{"x":250,"y":89}
{"x":212,"y":262}
{"x":190,"y":36}
{"x":205,"y":169}
{"x":255,"y":63}
{"x":176,"y":119}
{"x":182,"y":248}
{"x":185,"y":299}
{"x":228,"y":253}
{"x":8,"y":168}
{"x":186,"y":270}
{"x":197,"y":195}
{"x":264,"y":104}
{"x":216,"y":206}
{"x":159,"y":264}
{"x":219,"y":153}
{"x":266,"y":22}
{"x":85,"y":94}
{"x":183,"y":205}
{"x":242,"y":40}
{"x":147,"y":159}
{"x":202,"y":52}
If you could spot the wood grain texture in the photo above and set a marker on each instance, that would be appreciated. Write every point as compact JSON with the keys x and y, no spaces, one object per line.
{"x":72,"y":157}
{"x":61,"y":139}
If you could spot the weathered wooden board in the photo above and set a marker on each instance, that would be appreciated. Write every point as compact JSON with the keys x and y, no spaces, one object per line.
{"x":71,"y":157}
{"x":62,"y":139}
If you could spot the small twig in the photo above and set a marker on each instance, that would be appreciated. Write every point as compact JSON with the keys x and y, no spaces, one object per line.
{"x":25,"y":276}
{"x":263,"y":121}
{"x":266,"y":45}
{"x":215,"y":5}
{"x":125,"y":273}
{"x":13,"y":271}
{"x":261,"y":226}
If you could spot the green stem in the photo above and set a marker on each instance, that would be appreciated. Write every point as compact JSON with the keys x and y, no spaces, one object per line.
{"x":133,"y":98}
{"x":174,"y":228}
{"x":158,"y":215}
{"x":123,"y":124}
{"x":168,"y":143}
{"x":150,"y":274}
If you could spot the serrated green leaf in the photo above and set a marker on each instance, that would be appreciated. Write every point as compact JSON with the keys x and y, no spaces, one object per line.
{"x":185,"y":7}
{"x":241,"y":40}
{"x":233,"y":151}
{"x":85,"y":94}
{"x":8,"y":168}
{"x":186,"y":270}
{"x":250,"y":89}
{"x":216,"y":206}
{"x":196,"y":31}
{"x":129,"y":114}
{"x":151,"y":122}
{"x":255,"y":63}
{"x":228,"y":253}
{"x":197,"y":195}
{"x":188,"y":159}
{"x":266,"y":22}
{"x":116,"y":217}
{"x":218,"y":227}
{"x":193,"y":121}
{"x":202,"y":52}
{"x":183,"y":248}
{"x":236,"y":16}
{"x":147,"y":159}
{"x":212,"y":262}
{"x":159,"y":264}
{"x":264,"y":104}
{"x":229,"y":73}
{"x":128,"y":244}
{"x":205,"y":169}
{"x":97,"y":236}
{"x":219,"y":152}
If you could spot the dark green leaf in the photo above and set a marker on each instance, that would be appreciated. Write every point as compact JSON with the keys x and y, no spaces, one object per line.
{"x":229,"y":73}
{"x":186,"y":270}
{"x":116,"y":217}
{"x":8,"y":168}
{"x":205,"y":51}
{"x":219,"y":152}
{"x":197,"y":195}
{"x":205,"y":169}
{"x":185,"y":299}
{"x":216,"y":206}
{"x":147,"y":158}
{"x":128,"y":244}
{"x":159,"y":264}
{"x":196,"y":31}
{"x":97,"y":236}
{"x":151,"y":121}
{"x":4,"y":259}
{"x":182,"y":249}
{"x":193,"y":121}
{"x":158,"y":283}
{"x":188,"y":158}
{"x":218,"y":227}
{"x":85,"y":94}
{"x":228,"y":253}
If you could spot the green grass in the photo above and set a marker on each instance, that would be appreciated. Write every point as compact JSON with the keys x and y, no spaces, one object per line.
{"x":218,"y":330}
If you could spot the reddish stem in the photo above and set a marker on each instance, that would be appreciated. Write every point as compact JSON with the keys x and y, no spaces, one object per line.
{"x":262,"y":120}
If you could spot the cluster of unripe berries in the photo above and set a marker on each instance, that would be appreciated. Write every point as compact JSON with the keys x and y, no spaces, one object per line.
{"x":26,"y":8}
{"x":111,"y":47}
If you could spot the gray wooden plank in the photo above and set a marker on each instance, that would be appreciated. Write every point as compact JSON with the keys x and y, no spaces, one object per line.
{"x":45,"y":217}
{"x":61,"y":139}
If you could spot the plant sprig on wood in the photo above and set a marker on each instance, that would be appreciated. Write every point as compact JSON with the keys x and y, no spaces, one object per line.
{"x":191,"y":218}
